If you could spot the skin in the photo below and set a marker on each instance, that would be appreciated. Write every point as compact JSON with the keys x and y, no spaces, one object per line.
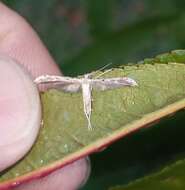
{"x":19,"y":41}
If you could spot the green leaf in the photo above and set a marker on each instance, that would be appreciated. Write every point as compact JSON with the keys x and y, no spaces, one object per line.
{"x":169,"y":178}
{"x":64,"y":136}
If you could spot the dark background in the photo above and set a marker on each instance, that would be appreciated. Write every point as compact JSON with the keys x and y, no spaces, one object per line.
{"x":84,"y":35}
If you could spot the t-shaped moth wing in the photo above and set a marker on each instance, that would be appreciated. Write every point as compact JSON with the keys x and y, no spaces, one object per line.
{"x":111,"y":83}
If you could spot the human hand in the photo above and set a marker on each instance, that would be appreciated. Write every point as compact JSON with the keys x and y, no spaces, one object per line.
{"x":20,"y":42}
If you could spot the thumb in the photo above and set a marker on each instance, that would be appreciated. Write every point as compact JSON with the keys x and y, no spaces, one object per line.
{"x":20,"y":112}
{"x":20,"y":42}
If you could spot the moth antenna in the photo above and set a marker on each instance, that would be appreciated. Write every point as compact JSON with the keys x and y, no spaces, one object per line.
{"x":107,"y":71}
{"x":102,"y":68}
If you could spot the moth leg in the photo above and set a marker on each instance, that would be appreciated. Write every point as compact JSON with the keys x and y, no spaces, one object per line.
{"x":88,"y":116}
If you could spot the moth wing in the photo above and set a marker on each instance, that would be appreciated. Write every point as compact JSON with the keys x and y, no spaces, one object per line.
{"x":69,"y":87}
{"x":67,"y":84}
{"x":105,"y":84}
{"x":101,"y":85}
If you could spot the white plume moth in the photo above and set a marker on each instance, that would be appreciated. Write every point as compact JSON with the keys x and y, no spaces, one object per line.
{"x":86,"y":84}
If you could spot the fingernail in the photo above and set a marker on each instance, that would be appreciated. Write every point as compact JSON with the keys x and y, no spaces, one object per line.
{"x":20,"y":112}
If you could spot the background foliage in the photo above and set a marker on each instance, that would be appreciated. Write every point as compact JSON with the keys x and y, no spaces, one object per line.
{"x":84,"y":35}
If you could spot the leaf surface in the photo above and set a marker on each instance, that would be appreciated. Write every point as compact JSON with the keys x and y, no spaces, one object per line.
{"x":64,"y":136}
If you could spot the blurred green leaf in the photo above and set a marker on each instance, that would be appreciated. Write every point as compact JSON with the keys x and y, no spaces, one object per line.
{"x":99,"y":15}
{"x":120,"y":46}
{"x":65,"y":28}
{"x":169,"y":178}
